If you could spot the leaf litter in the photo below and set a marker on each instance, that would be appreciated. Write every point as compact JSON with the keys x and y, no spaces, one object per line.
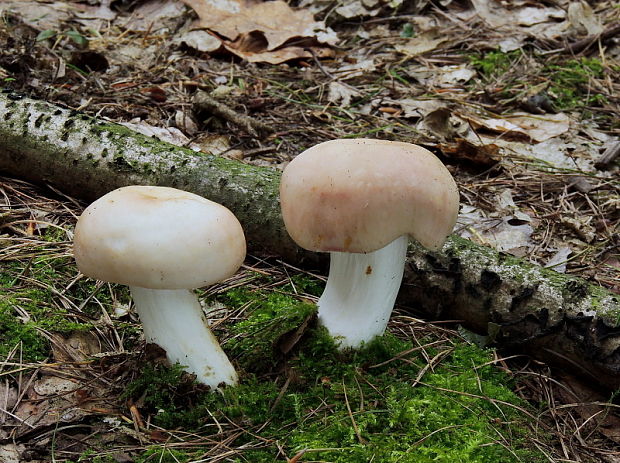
{"x":480,"y":83}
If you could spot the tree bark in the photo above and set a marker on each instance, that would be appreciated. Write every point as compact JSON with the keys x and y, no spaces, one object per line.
{"x":558,"y":318}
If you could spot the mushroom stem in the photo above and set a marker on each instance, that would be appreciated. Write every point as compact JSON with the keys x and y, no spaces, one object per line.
{"x":173,"y":319}
{"x":360,"y":293}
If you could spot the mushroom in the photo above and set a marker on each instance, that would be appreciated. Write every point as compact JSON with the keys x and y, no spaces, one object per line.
{"x":359,"y":199}
{"x":163,"y":243}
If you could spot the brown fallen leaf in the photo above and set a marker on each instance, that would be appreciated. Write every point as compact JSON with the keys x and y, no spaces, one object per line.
{"x":11,"y":453}
{"x":532,"y":127}
{"x":247,"y":47}
{"x":438,"y":123}
{"x":590,"y":405}
{"x":79,"y":346}
{"x":53,"y":399}
{"x":40,"y":16}
{"x":269,"y":32}
{"x":422,"y":43}
{"x":155,"y":15}
{"x":288,"y":340}
{"x":485,"y":155}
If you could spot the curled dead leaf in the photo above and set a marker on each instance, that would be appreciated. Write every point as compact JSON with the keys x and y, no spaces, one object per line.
{"x":531,"y":127}
{"x":484,"y":155}
{"x":269,"y":32}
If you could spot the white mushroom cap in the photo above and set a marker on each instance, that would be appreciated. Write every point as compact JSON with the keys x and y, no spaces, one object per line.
{"x":358,"y":195}
{"x":158,"y":238}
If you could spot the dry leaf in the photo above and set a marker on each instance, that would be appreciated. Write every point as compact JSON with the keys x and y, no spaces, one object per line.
{"x":581,"y":226}
{"x":587,"y":403}
{"x":246,"y":45}
{"x":583,"y":19}
{"x":499,"y":233}
{"x":418,"y":108}
{"x":516,"y":21}
{"x":480,"y":154}
{"x":264,"y":32}
{"x":199,"y":40}
{"x":423,"y":43}
{"x":360,"y":67}
{"x":355,"y":9}
{"x":78,"y":346}
{"x":102,"y":12}
{"x":167,"y":134}
{"x":341,"y":93}
{"x":507,"y":229}
{"x":496,"y":15}
{"x":536,"y":128}
{"x":454,"y":75}
{"x":437,"y":123}
{"x":135,"y":55}
{"x":213,"y":144}
{"x":574,"y":152}
{"x":156,"y":15}
{"x":185,"y":121}
{"x":558,"y":261}
{"x":40,"y":16}
{"x":8,"y":399}
{"x":11,"y":453}
{"x":49,"y":400}
{"x":531,"y":15}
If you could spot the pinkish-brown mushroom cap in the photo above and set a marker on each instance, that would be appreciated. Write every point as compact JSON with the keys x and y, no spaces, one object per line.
{"x":358,"y":195}
{"x":158,"y":238}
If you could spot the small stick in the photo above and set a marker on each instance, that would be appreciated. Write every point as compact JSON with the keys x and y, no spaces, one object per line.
{"x":610,"y":154}
{"x":583,"y":44}
{"x":202,"y":100}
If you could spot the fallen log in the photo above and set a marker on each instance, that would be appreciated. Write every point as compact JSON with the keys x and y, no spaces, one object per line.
{"x":554,"y":317}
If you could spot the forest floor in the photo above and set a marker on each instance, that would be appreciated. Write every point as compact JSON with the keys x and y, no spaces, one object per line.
{"x":519,"y":99}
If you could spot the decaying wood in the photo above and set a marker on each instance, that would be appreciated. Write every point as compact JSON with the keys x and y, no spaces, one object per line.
{"x":203,"y":101}
{"x":556,"y":317}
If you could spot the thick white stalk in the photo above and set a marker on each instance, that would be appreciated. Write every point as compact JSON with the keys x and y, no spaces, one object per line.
{"x":360,"y":293}
{"x":173,"y":319}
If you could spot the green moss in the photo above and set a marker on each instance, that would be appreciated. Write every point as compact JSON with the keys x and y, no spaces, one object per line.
{"x":494,"y":63}
{"x":570,"y":82}
{"x":23,"y":312}
{"x":163,"y":454}
{"x":158,"y":385}
{"x":29,"y":303}
{"x":460,"y":245}
{"x":379,"y":404}
{"x":23,"y":335}
{"x":269,"y":317}
{"x":463,"y":411}
{"x":306,"y":284}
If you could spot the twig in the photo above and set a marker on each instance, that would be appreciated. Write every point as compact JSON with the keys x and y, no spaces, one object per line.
{"x":259,"y":151}
{"x":318,"y":63}
{"x":12,"y":415}
{"x":585,"y":43}
{"x":355,"y":428}
{"x":203,"y":101}
{"x":610,"y":154}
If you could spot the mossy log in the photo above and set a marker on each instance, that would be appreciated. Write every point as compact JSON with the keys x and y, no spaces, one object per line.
{"x":561,"y":319}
